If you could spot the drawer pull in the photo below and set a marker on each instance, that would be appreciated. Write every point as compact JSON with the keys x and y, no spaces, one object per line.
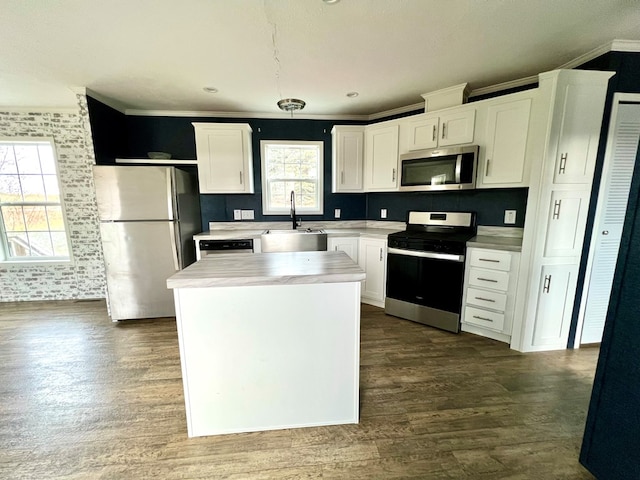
{"x":489,"y":260}
{"x":488,"y":280}
{"x":485,"y":299}
{"x":482,"y":318}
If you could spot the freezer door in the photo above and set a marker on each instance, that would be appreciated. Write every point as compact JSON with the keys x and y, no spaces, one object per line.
{"x":139,"y":257}
{"x":134,"y":193}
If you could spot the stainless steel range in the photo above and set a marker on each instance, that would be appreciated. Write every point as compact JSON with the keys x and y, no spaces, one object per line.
{"x":425,"y":268}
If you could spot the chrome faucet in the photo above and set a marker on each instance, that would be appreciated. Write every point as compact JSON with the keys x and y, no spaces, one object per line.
{"x":293,"y":210}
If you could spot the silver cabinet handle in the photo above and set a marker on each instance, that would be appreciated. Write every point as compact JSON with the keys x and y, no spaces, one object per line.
{"x":434,"y":134}
{"x":547,"y":283}
{"x":393,"y":175}
{"x":487,"y":280}
{"x":342,"y":177}
{"x":489,"y":260}
{"x":381,"y":254}
{"x":485,"y":299}
{"x":444,"y":128}
{"x":482,"y":318}
{"x":240,"y":178}
{"x":556,"y":209}
{"x":563,"y":163}
{"x":486,"y":170}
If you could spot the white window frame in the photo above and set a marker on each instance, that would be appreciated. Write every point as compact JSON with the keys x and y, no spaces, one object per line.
{"x":5,"y":257}
{"x":267,"y":209}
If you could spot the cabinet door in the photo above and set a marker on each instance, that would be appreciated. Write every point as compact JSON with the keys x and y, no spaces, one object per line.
{"x":381,"y":158}
{"x":566,"y":223}
{"x":349,"y":245}
{"x":457,"y":127}
{"x":224,"y":158}
{"x":579,"y":134}
{"x":348,"y":159}
{"x":422,"y":133}
{"x":506,"y":144}
{"x":557,"y":285}
{"x":372,"y":258}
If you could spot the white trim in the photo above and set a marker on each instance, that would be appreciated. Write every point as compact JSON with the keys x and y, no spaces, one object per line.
{"x":499,"y":87}
{"x":625,"y":46}
{"x":396,"y":111}
{"x":151,"y":161}
{"x":208,"y":114}
{"x":116,"y":105}
{"x":618,"y":98}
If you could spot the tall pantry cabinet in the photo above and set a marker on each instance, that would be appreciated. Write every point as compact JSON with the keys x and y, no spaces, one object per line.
{"x":566,"y":119}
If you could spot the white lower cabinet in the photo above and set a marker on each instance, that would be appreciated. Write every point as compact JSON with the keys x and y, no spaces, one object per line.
{"x":372,"y":258}
{"x":349,"y":245}
{"x":491,"y":278}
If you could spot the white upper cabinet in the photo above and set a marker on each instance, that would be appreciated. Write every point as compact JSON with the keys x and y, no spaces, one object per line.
{"x":225,"y":160}
{"x":457,"y":127}
{"x":432,"y":130}
{"x":347,"y":158}
{"x":422,"y":132}
{"x":381,"y":157}
{"x":578,"y":136}
{"x":503,"y":153}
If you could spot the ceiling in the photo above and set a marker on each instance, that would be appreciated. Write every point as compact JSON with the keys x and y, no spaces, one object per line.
{"x":159,"y":54}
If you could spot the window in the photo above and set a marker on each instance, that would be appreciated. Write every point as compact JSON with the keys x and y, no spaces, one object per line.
{"x":32,"y":225}
{"x":291,"y":166}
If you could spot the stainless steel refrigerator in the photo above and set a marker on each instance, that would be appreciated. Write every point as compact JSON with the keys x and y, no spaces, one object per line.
{"x":148,"y":216}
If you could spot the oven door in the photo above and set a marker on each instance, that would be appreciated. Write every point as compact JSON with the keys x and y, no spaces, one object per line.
{"x":425,"y":287}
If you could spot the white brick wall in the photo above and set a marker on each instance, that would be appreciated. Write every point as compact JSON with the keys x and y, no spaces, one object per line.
{"x":84,"y":278}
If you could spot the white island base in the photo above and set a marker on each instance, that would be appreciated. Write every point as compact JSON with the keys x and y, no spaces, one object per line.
{"x":267,"y":357}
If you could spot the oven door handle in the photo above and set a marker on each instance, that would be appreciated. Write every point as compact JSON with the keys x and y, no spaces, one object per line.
{"x":437,"y":256}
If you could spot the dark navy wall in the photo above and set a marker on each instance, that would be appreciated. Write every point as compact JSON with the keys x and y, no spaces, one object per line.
{"x":109,"y":132}
{"x":610,"y":444}
{"x":488,"y":204}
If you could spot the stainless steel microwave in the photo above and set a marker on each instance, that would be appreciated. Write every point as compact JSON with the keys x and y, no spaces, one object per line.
{"x":452,"y":168}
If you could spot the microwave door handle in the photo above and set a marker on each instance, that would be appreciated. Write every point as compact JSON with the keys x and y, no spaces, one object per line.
{"x":458,"y":168}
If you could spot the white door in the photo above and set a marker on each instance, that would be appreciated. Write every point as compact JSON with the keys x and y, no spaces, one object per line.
{"x":620,"y":156}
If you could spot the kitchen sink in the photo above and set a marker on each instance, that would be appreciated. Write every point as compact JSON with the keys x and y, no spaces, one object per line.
{"x":300,"y":240}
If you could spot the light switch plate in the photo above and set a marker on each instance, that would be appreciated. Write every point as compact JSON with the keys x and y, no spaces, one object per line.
{"x":510,"y":217}
{"x":383,"y":213}
{"x":237,"y":215}
{"x":336,"y":213}
{"x":247,"y":215}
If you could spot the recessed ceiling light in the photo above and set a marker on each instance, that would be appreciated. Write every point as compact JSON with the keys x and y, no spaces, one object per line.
{"x":352,"y":94}
{"x":210,"y":89}
{"x":330,"y":2}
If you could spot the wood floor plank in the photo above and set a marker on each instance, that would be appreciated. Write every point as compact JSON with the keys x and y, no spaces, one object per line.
{"x":82,"y":397}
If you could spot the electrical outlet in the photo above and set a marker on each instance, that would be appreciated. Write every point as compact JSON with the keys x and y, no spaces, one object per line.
{"x":237,"y":215}
{"x":336,"y":213}
{"x":510,"y":217}
{"x":247,"y":214}
{"x":383,"y":213}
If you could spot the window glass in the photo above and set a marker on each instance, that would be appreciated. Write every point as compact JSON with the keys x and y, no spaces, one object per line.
{"x":32,"y":223}
{"x":291,"y":166}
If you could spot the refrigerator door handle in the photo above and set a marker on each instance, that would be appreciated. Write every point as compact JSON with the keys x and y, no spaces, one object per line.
{"x":174,"y":246}
{"x":172,"y":208}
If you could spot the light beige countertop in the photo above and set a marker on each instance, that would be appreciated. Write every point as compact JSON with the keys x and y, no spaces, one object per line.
{"x":290,"y":268}
{"x":512,"y":244}
{"x":240,"y":234}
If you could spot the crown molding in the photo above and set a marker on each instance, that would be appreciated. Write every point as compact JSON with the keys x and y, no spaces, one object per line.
{"x":396,"y":111}
{"x":499,"y":87}
{"x":625,"y":46}
{"x":282,"y":116}
{"x":120,"y":107}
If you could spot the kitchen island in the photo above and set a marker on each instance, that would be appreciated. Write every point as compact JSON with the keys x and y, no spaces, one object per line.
{"x":269,"y":341}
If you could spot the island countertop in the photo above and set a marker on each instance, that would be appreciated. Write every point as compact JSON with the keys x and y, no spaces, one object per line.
{"x":282,"y":268}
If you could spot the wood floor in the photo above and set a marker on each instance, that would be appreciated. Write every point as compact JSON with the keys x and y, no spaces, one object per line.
{"x":83,"y":398}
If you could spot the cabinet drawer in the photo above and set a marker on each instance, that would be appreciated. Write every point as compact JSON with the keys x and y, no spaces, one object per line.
{"x":487,"y":299}
{"x":497,"y":280}
{"x":484,"y":318}
{"x":490,"y":259}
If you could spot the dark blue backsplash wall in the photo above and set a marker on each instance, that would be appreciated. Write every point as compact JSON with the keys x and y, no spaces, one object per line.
{"x":127,"y":136}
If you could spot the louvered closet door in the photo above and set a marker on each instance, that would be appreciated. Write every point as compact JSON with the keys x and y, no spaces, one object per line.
{"x":616,"y":178}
